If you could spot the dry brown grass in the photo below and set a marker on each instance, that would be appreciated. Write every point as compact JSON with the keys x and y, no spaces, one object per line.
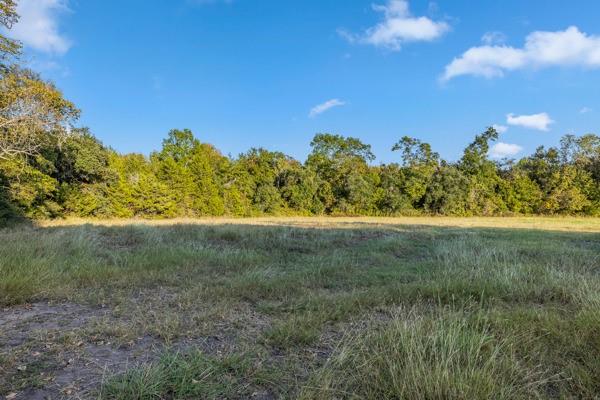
{"x":569,"y":224}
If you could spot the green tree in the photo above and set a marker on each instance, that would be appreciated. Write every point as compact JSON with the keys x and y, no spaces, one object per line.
{"x":262,"y":168}
{"x":139,"y":192}
{"x":33,"y":113}
{"x":583,"y":153}
{"x":406,"y":186}
{"x":484,"y":186}
{"x":189,"y":168}
{"x":300,"y":188}
{"x":520,"y":193}
{"x":561,"y":183}
{"x":342,"y":164}
{"x":29,"y":188}
{"x":8,"y":17}
{"x":80,"y":159}
{"x":205,"y":165}
{"x":393,"y":198}
{"x":446,"y":194}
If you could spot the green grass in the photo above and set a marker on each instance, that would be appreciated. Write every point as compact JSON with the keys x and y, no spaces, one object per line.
{"x":190,"y":376}
{"x":329,"y":309}
{"x":425,"y":357}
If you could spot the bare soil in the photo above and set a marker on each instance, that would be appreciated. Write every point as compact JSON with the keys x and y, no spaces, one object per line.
{"x":44,"y":348}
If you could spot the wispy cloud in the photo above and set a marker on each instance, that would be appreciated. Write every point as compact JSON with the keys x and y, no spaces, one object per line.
{"x":491,"y":38}
{"x":585,"y":110}
{"x":398,"y":27}
{"x":540,"y":122}
{"x":321,"y":108}
{"x":38,"y":26}
{"x":500,"y":128}
{"x":503,"y":150}
{"x":570,"y":47}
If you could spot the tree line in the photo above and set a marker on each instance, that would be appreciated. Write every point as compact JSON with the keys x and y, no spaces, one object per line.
{"x":78,"y":176}
{"x":50,"y":168}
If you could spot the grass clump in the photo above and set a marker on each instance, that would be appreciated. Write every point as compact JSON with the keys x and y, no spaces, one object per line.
{"x":424,"y":357}
{"x":182,"y":376}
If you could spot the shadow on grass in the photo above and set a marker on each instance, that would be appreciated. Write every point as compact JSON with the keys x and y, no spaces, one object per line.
{"x":294,"y":292}
{"x":255,"y":263}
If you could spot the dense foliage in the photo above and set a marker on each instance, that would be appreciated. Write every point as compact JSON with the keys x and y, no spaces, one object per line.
{"x":50,"y":169}
{"x":187,"y":178}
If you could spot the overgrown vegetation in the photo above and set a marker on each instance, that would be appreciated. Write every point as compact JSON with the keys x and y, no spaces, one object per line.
{"x":187,"y":178}
{"x":306,"y":308}
{"x":49,"y":168}
{"x":430,"y":357}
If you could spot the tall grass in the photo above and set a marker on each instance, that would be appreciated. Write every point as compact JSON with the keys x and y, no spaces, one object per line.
{"x":486,"y":312}
{"x":425,"y":357}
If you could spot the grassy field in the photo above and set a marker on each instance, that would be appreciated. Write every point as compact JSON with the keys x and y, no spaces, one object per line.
{"x":307,"y":308}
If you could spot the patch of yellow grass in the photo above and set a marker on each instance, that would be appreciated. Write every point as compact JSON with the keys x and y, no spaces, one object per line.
{"x":569,"y":224}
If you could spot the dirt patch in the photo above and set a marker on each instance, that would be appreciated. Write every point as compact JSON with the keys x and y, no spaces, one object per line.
{"x":55,"y":350}
{"x":46,"y":354}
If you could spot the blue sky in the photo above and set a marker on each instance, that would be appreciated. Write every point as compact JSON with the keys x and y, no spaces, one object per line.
{"x":271,"y":73}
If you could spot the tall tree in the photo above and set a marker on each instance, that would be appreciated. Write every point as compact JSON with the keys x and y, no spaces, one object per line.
{"x":188,"y":167}
{"x":419,"y":163}
{"x":8,"y":17}
{"x":33,"y":113}
{"x":483,"y":190}
{"x":342,"y":164}
{"x":447,"y":194}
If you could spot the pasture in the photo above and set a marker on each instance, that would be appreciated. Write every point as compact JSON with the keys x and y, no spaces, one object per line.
{"x":301,"y":308}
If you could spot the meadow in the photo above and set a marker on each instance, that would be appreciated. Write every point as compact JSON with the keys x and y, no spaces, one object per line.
{"x":301,"y":308}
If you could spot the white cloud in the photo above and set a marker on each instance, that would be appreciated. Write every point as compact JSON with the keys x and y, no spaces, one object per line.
{"x":585,"y":110}
{"x":486,"y":61}
{"x":502,"y":150}
{"x":398,"y":27}
{"x":540,"y":122}
{"x":570,"y":47}
{"x":491,"y":38}
{"x":500,"y":128}
{"x":321,"y":108}
{"x":38,"y":25}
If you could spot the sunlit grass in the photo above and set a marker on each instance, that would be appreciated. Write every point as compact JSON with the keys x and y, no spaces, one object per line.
{"x":330,"y":307}
{"x":561,"y":223}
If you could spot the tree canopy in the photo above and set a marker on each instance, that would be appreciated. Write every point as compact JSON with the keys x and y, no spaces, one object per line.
{"x":8,"y":17}
{"x":51,"y":168}
{"x":81,"y":177}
